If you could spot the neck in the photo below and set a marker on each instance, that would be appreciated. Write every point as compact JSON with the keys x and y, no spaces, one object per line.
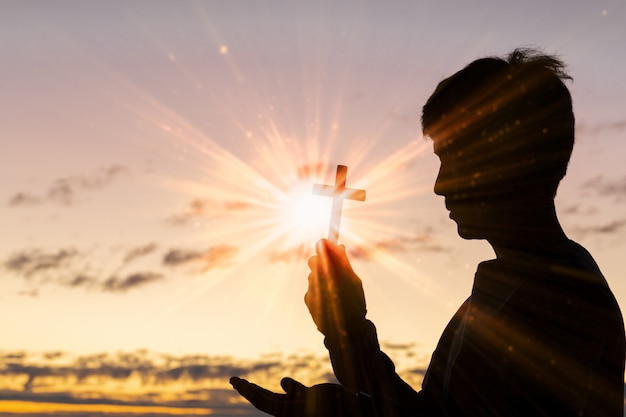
{"x":531,"y":232}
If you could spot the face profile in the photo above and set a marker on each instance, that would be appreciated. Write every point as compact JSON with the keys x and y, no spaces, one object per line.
{"x":478,"y":205}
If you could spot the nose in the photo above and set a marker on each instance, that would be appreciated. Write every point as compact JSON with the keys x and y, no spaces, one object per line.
{"x":438,"y":187}
{"x":443,"y":183}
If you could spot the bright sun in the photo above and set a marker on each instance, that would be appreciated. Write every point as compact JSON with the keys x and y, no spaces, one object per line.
{"x":305,"y":216}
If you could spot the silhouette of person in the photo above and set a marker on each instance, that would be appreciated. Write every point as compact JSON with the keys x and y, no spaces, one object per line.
{"x":541,"y":333}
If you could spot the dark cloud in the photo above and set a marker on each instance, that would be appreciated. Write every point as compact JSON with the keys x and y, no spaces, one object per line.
{"x":201,"y":207}
{"x":219,"y":256}
{"x":13,"y":356}
{"x":155,"y":369}
{"x":398,"y":346}
{"x":32,"y":262}
{"x":64,"y":190}
{"x":418,"y":371}
{"x":175,"y":257}
{"x":67,"y":268}
{"x":138,"y":279}
{"x":144,"y":378}
{"x":81,"y":280}
{"x":57,"y":354}
{"x":139,"y":251}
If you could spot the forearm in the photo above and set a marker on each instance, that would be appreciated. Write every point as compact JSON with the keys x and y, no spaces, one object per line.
{"x":360,"y":366}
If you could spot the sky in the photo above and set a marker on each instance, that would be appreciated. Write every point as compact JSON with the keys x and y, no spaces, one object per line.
{"x":156,"y":173}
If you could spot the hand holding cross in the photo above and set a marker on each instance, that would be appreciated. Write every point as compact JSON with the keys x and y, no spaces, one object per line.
{"x":338,"y":192}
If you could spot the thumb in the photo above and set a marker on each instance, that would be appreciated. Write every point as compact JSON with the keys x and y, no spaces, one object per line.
{"x":293,"y":387}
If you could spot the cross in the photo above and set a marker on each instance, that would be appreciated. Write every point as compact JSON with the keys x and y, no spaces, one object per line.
{"x":338,"y":192}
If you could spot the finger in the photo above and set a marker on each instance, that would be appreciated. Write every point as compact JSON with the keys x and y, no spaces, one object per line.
{"x":265,"y":400}
{"x":293,"y":387}
{"x":323,"y":246}
{"x":329,"y":252}
{"x":313,"y":263}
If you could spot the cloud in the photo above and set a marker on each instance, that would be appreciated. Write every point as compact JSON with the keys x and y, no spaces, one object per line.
{"x":148,"y":378}
{"x":176,"y":257}
{"x":154,"y":369}
{"x":615,"y":187}
{"x":220,"y":256}
{"x":69,"y":268}
{"x":29,"y":293}
{"x":415,"y":243}
{"x":398,"y":346}
{"x":64,"y":190}
{"x":201,"y":207}
{"x":615,"y":125}
{"x":35,"y":261}
{"x":609,"y":228}
{"x":24,"y":199}
{"x":81,"y":280}
{"x":139,"y":252}
{"x":138,"y":279}
{"x":66,"y":268}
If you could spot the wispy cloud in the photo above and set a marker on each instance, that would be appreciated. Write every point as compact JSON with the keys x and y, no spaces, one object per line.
{"x":203,"y":207}
{"x":139,"y":252}
{"x":614,"y":187}
{"x":614,"y":125}
{"x":70,"y":268}
{"x":67,"y":268}
{"x":24,"y":199}
{"x":220,"y":256}
{"x":615,"y":226}
{"x":422,"y":242}
{"x":80,"y":281}
{"x":137,"y":279}
{"x":65,"y":190}
{"x":32,"y":262}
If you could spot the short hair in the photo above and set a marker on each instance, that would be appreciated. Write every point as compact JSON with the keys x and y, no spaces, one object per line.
{"x":515,"y":111}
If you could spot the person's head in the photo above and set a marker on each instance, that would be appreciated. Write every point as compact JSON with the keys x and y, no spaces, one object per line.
{"x":504,"y":131}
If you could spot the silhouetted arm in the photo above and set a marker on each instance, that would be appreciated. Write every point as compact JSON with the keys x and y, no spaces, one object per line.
{"x":337,"y":305}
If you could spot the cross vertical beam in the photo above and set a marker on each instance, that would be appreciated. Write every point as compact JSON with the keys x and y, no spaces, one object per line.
{"x":338,"y":192}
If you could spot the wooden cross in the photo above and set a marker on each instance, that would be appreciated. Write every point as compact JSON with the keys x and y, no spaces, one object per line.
{"x":338,"y":192}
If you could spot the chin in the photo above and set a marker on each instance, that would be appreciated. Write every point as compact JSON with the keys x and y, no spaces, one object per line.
{"x":469,"y":233}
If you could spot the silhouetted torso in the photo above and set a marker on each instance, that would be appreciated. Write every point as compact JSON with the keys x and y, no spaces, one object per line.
{"x":540,"y":336}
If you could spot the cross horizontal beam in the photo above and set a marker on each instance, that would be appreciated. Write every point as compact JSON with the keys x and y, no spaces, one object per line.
{"x":339,"y":193}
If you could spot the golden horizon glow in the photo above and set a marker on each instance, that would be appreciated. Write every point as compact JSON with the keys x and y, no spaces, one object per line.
{"x":31,"y":407}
